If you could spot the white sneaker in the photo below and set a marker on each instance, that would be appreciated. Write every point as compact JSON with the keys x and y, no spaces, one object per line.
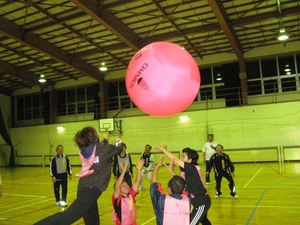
{"x":63,"y":204}
{"x":58,"y":203}
{"x":236,"y":196}
{"x":142,"y":189}
{"x":218,"y":196}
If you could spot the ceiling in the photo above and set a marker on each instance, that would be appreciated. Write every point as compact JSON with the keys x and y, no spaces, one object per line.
{"x":66,"y":40}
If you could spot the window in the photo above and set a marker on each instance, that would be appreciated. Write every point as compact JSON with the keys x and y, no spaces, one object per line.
{"x":30,"y":107}
{"x":288,"y":84}
{"x":252,"y":70}
{"x":206,"y":94}
{"x":270,"y":86}
{"x":286,"y":65}
{"x":218,"y":75}
{"x":78,"y":100}
{"x":254,"y":88}
{"x":206,"y":76}
{"x":269,"y":68}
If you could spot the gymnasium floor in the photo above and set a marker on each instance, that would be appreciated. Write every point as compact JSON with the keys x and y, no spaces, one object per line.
{"x":268,"y":195}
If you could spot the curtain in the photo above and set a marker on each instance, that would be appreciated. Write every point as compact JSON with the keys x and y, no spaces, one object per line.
{"x":6,"y":138}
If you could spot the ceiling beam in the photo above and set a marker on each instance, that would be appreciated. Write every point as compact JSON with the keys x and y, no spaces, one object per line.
{"x":35,"y":42}
{"x":223,"y":19}
{"x":24,"y":75}
{"x":110,"y":22}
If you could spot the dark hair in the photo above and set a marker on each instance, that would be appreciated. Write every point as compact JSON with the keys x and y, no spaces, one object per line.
{"x":124,"y":145}
{"x":176,"y":184}
{"x":58,"y":146}
{"x":210,"y":135}
{"x":86,"y":137}
{"x":149,"y":146}
{"x":191,"y":154}
{"x":220,"y":146}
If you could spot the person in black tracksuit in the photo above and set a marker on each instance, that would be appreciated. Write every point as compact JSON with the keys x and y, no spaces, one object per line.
{"x":59,"y":169}
{"x":223,"y":167}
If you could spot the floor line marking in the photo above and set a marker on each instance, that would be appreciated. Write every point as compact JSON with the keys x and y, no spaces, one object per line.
{"x":253,"y":177}
{"x":36,"y":196}
{"x":261,"y":197}
{"x":148,"y":220}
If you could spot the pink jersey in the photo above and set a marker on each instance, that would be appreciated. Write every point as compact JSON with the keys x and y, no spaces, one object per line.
{"x":176,"y":211}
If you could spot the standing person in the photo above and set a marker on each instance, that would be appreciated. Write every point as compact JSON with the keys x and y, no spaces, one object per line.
{"x":148,"y":166}
{"x":60,"y":168}
{"x":223,"y":167}
{"x":188,"y":164}
{"x":123,"y":198}
{"x":123,"y":158}
{"x":208,"y":149}
{"x":94,"y":178}
{"x":0,"y":187}
{"x":173,"y":208}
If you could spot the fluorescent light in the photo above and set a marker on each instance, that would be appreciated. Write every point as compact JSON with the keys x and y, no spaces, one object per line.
{"x":184,"y":118}
{"x":42,"y":78}
{"x":282,"y":35}
{"x":103,"y":67}
{"x":60,"y":128}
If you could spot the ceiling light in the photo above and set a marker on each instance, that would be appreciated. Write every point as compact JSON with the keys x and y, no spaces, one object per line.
{"x":42,"y":78}
{"x":184,"y":118}
{"x":60,"y":128}
{"x":283,"y":35}
{"x":103,"y":67}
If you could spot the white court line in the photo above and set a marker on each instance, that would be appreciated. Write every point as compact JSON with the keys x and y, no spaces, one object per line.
{"x":18,"y":203}
{"x":25,"y":206}
{"x":253,"y":177}
{"x":272,"y":206}
{"x":35,"y":196}
{"x":148,"y":220}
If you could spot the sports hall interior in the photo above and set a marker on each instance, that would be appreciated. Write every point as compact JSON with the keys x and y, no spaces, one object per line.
{"x":249,"y":98}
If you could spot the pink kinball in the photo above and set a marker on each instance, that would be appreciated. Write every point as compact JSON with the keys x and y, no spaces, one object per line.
{"x":162,"y":79}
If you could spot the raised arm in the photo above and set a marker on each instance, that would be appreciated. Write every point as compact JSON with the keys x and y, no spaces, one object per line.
{"x":171,"y":156}
{"x":159,"y":163}
{"x":119,"y":181}
{"x":139,"y":167}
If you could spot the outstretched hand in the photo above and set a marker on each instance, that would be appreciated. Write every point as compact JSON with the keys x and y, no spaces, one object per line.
{"x":105,"y":137}
{"x":123,"y":166}
{"x":159,"y":163}
{"x":161,"y":147}
{"x":170,"y":167}
{"x":140,"y":164}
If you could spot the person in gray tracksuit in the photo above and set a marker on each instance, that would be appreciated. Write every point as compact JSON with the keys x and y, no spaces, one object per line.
{"x":60,"y":168}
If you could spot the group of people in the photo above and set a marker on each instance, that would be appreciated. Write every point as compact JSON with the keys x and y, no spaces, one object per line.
{"x":188,"y":200}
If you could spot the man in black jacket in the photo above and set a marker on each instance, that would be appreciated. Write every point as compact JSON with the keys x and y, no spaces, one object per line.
{"x":223,"y":167}
{"x":59,"y":169}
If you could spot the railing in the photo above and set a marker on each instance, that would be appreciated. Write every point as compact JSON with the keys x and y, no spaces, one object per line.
{"x":238,"y":155}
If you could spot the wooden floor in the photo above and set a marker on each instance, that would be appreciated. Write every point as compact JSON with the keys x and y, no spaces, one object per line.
{"x":268,"y":195}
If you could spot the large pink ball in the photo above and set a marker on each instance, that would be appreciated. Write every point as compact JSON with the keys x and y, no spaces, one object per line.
{"x":162,"y":79}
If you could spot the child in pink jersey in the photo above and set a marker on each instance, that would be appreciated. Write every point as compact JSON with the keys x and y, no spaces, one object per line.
{"x":123,"y":199}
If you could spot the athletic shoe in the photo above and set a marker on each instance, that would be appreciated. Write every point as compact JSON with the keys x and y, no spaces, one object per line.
{"x":218,"y":196}
{"x":58,"y":203}
{"x":63,"y":204}
{"x":142,"y":189}
{"x":236,"y":196}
